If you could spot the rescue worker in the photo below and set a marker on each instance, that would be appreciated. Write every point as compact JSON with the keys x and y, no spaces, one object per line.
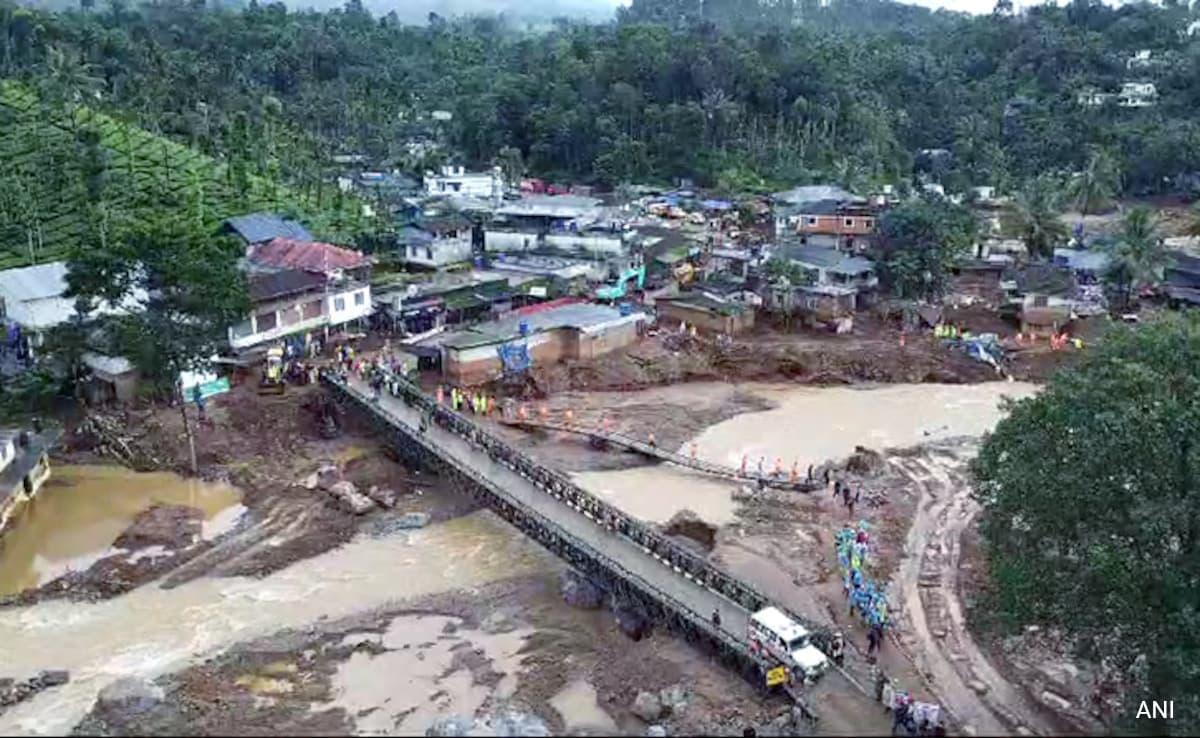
{"x":761,"y":459}
{"x":441,"y":394}
{"x":778,"y":470}
{"x":794,"y":474}
{"x":651,"y":441}
{"x":693,"y":450}
{"x":544,"y":412}
{"x":743,"y":465}
{"x":716,"y":618}
{"x":837,"y":649}
{"x":522,"y":414}
{"x":198,"y":398}
{"x":569,"y":416}
{"x":874,"y":639}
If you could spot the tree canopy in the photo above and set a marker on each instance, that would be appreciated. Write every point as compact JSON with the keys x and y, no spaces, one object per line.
{"x":919,"y":242}
{"x":723,"y":90}
{"x":1091,"y":515}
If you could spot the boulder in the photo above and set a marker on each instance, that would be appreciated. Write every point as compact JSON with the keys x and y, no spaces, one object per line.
{"x":169,"y":526}
{"x":1054,"y":700}
{"x":129,"y":695}
{"x":413,"y":520}
{"x":327,"y":476}
{"x":350,"y":499}
{"x":386,"y":498}
{"x":656,"y":731}
{"x":512,"y":723}
{"x":578,"y":591}
{"x":451,"y":727}
{"x":632,"y":623}
{"x":647,"y":706}
{"x":673,"y":698}
{"x":54,"y":677}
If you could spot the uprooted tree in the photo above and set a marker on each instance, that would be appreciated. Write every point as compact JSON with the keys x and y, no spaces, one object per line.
{"x":1091,"y":513}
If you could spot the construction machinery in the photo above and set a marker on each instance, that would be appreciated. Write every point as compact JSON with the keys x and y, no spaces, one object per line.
{"x":617,"y":290}
{"x":272,"y":375}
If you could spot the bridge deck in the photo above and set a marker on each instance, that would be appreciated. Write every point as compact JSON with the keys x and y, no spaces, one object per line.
{"x":652,"y":573}
{"x":656,"y":452}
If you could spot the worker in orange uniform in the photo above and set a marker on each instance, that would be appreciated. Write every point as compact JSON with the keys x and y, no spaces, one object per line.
{"x":545,"y":413}
{"x":778,"y":472}
{"x":693,"y":450}
{"x":743,"y":465}
{"x":522,"y":414}
{"x":441,"y":395}
{"x":794,"y":476}
{"x":569,"y":416}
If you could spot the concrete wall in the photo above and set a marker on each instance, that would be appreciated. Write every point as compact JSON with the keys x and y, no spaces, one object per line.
{"x":482,"y":363}
{"x":509,"y":241}
{"x":671,"y":313}
{"x":441,"y":252}
{"x":586,"y":243}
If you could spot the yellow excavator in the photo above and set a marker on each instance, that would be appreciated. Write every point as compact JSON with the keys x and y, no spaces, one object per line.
{"x":272,"y":376}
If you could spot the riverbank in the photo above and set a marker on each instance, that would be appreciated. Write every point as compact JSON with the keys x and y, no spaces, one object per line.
{"x":264,"y":448}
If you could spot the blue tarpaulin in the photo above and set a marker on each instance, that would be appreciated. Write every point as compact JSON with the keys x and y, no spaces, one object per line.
{"x":716,"y":205}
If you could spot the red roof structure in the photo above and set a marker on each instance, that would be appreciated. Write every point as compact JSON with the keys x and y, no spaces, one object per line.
{"x":309,"y":256}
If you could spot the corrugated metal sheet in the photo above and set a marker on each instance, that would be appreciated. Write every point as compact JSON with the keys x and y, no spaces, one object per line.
{"x":259,"y":227}
{"x":311,"y":256}
{"x":34,"y":283}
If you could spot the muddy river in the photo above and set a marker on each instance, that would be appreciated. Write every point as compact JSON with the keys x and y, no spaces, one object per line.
{"x":81,"y":510}
{"x":808,"y":425}
{"x":152,"y":631}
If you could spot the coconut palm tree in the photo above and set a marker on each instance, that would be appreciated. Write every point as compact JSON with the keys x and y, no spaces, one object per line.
{"x":1093,"y":189}
{"x":1138,"y":255}
{"x":1037,"y":215}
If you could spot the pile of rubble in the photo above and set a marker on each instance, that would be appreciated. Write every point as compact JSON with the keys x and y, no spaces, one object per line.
{"x":348,"y":498}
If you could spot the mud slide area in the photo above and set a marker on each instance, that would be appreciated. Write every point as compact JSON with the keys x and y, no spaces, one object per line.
{"x":930,"y":624}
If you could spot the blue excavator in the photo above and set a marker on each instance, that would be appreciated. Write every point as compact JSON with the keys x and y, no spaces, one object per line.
{"x":618,"y":290}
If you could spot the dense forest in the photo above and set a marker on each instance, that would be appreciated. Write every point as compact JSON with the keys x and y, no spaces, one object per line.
{"x":727,"y":92}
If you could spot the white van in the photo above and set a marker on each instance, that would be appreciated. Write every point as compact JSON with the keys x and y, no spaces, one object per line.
{"x":787,"y":641}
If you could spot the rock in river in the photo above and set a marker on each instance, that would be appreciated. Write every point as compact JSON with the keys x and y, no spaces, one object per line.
{"x":647,"y":706}
{"x":129,"y":695}
{"x":169,"y":526}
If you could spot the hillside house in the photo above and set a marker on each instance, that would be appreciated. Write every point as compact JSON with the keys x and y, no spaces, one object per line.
{"x":1183,"y":280}
{"x":830,"y":267}
{"x":33,"y":300}
{"x":831,"y":212}
{"x":566,"y":224}
{"x":299,"y":289}
{"x":263,"y":227}
{"x":454,"y":180}
{"x":437,"y":241}
{"x":1137,"y":95}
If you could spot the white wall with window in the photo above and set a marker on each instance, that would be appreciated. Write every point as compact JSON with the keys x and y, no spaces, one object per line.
{"x":347,"y":303}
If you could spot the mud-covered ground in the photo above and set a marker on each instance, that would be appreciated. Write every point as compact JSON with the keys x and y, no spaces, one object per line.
{"x":511,"y":645}
{"x":872,"y":353}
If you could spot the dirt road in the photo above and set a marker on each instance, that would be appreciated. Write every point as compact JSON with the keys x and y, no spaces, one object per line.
{"x":931,"y":628}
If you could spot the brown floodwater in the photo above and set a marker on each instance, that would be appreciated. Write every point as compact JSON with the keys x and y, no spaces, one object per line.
{"x":81,"y":510}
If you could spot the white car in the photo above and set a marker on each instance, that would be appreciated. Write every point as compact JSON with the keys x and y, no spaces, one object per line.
{"x":787,"y":641}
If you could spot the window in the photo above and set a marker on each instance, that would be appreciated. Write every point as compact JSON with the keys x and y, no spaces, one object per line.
{"x":243,"y":329}
{"x":869,"y":222}
{"x":312,"y":310}
{"x":412,"y":252}
{"x":359,"y":298}
{"x":266,"y":321}
{"x":429,"y":252}
{"x":811,"y":220}
{"x":849,"y":222}
{"x":339,"y":304}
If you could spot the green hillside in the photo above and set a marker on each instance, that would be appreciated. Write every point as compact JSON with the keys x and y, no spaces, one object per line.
{"x":55,"y":164}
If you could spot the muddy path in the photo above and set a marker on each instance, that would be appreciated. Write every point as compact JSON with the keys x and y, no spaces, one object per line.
{"x":930,"y":625}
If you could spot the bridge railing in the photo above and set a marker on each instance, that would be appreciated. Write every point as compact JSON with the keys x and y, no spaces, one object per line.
{"x":559,"y":485}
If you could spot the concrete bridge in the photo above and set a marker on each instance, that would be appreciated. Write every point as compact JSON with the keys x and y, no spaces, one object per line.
{"x":636,"y":563}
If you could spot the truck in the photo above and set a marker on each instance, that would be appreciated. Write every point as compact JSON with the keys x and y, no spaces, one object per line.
{"x":775,"y":637}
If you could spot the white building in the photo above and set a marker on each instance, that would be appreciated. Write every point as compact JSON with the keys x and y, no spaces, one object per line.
{"x":438,"y":241}
{"x":34,"y":300}
{"x":457,"y":181}
{"x":1137,"y":95}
